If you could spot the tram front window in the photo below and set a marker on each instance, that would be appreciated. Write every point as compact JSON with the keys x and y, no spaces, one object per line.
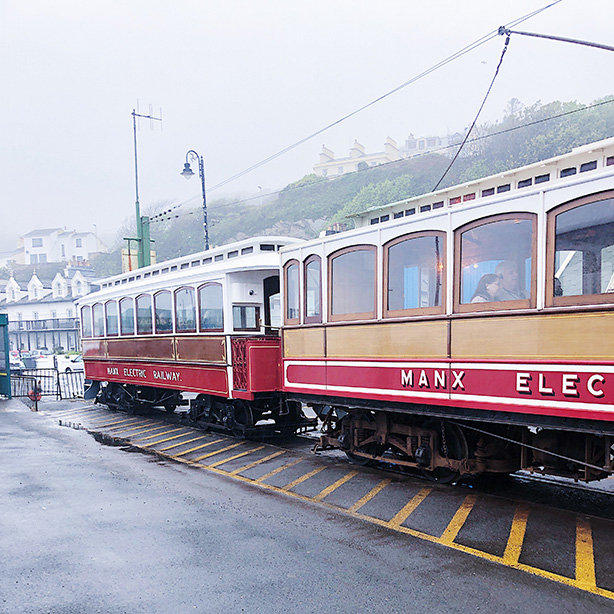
{"x":496,"y":259}
{"x":584,"y":249}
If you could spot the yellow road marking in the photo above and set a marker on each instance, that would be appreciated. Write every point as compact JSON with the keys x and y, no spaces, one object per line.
{"x":276,"y":471}
{"x":155,"y":443}
{"x":516,"y":537}
{"x":142,"y":432}
{"x":340,"y":482}
{"x":176,"y":456}
{"x":122,"y":421}
{"x":227,"y":460}
{"x":369,"y":496}
{"x":255,"y":463}
{"x":585,"y":559}
{"x":457,"y":522}
{"x":234,"y":445}
{"x":156,"y":435}
{"x":303,"y":478}
{"x":136,"y":424}
{"x":181,"y":443}
{"x":408,"y":508}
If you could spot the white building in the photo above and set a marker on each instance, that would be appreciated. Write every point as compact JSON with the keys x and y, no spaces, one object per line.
{"x":57,"y":245}
{"x":42,"y":314}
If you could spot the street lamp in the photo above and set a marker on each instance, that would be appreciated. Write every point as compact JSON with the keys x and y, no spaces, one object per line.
{"x":187,"y":172}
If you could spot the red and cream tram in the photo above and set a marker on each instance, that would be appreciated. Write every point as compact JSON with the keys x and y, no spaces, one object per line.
{"x":469,"y":330}
{"x":205,"y":324}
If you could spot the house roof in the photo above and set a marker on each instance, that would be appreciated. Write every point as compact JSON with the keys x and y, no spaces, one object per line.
{"x":42,"y":232}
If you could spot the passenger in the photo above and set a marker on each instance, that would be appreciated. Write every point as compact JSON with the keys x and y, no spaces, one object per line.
{"x":558,"y":287}
{"x":489,"y":288}
{"x":510,"y":282}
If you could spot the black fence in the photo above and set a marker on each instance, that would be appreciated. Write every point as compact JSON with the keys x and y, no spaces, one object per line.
{"x":33,"y":384}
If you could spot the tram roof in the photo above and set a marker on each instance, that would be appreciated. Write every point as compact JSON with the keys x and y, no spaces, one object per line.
{"x":579,"y":159}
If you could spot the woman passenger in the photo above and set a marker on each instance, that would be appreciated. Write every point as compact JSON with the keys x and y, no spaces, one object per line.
{"x":488,"y":289}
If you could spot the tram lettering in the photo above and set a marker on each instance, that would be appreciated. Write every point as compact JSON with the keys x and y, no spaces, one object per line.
{"x":173,"y":376}
{"x":407,"y":378}
{"x":458,"y":380}
{"x":522,"y":383}
{"x":592,"y":380}
{"x":543,"y":389}
{"x":142,"y":373}
{"x":440,"y":379}
{"x":112,"y":371}
{"x":570,"y":388}
{"x":423,"y":382}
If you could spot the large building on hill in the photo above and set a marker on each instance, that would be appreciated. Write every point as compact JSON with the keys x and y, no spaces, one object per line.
{"x":54,"y":245}
{"x":41,"y":310}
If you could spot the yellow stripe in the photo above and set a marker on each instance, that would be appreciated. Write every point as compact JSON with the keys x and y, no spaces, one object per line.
{"x":142,"y":432}
{"x":516,"y":537}
{"x":135,"y":424}
{"x":585,"y":560}
{"x":104,"y":426}
{"x":457,"y":522}
{"x":369,"y":496}
{"x":181,"y":443}
{"x":227,"y":460}
{"x":156,"y":435}
{"x":303,"y":478}
{"x":278,"y":470}
{"x":155,"y":443}
{"x":340,"y":482}
{"x":255,"y":463}
{"x":176,"y":456}
{"x":402,"y":516}
{"x":234,"y":445}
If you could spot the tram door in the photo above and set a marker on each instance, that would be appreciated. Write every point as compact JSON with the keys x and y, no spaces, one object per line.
{"x":5,"y":367}
{"x":272,"y":305}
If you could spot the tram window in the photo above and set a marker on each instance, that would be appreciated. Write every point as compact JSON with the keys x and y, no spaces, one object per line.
{"x":211,"y":307}
{"x":98,"y":314}
{"x":352,"y":283}
{"x":163,"y":312}
{"x":413,"y":267}
{"x":126,"y":316}
{"x":143,"y":315}
{"x":185,"y":310}
{"x":111,"y":318}
{"x":588,"y":166}
{"x":292,"y":292}
{"x":583,"y":262}
{"x":313,"y":289}
{"x":567,"y":172}
{"x":495,"y":260}
{"x":86,"y":322}
{"x":245,"y":317}
{"x":542,"y":178}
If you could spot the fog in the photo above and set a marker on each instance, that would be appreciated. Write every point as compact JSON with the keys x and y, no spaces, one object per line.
{"x":240,"y":80}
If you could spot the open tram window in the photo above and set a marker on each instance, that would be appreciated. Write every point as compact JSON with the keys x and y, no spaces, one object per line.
{"x":495,"y":263}
{"x":313,"y":289}
{"x":211,"y":307}
{"x":414,"y":274}
{"x":185,"y":310}
{"x":352,"y":283}
{"x":144,"y":322}
{"x":98,"y":315}
{"x":163,"y":311}
{"x":580,"y":265}
{"x":126,"y":316}
{"x":110,"y":309}
{"x":291,"y":276}
{"x":245,"y":317}
{"x":86,"y":321}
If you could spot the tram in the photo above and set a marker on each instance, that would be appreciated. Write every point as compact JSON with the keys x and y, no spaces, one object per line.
{"x":466,"y":331}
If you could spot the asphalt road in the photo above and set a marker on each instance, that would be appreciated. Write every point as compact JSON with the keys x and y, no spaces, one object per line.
{"x":92,"y":528}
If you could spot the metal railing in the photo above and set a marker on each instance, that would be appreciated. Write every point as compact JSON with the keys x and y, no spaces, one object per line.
{"x":37,"y":383}
{"x":48,"y":324}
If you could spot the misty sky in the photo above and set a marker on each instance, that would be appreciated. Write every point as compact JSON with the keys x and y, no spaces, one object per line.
{"x":239,"y":80}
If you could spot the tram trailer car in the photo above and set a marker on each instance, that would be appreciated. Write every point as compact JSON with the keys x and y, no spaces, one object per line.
{"x":204,"y":326}
{"x":467,"y":331}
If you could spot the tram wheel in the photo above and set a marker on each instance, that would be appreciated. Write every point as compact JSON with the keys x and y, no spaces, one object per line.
{"x":242,"y":419}
{"x":371,"y":448}
{"x":457,"y":449}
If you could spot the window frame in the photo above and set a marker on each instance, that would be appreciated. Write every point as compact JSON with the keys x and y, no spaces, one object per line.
{"x":121,"y":329}
{"x":155,"y":319}
{"x":580,"y":299}
{"x":95,"y":334}
{"x":287,"y":320}
{"x":528,"y":303}
{"x":350,"y":317}
{"x":106,"y":317}
{"x":196,"y":311}
{"x":136,"y":314}
{"x":414,"y":311}
{"x":311,"y":319}
{"x":85,"y":309}
{"x":199,"y":307}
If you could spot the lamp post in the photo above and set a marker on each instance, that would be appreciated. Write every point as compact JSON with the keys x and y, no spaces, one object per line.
{"x":187,"y":173}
